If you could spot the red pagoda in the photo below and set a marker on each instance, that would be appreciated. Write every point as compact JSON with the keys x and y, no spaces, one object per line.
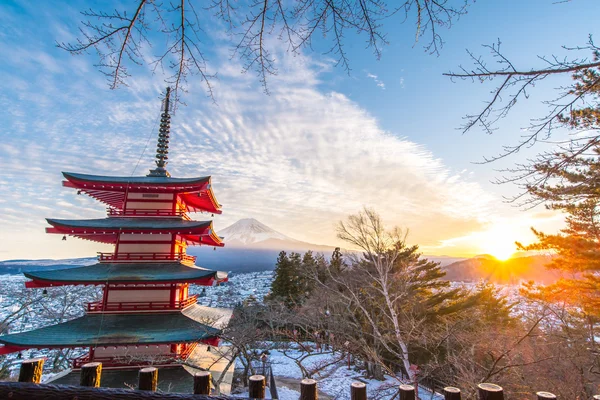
{"x":146,"y":314}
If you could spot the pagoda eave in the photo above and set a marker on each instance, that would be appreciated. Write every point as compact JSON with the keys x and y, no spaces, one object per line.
{"x":9,"y":349}
{"x":115,"y":183}
{"x":193,"y":324}
{"x":130,"y":274}
{"x":196,"y":193}
{"x":108,"y":230}
{"x":38,"y":284}
{"x":204,"y":201}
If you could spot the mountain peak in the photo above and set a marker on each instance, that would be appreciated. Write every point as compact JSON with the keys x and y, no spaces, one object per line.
{"x":250,"y":231}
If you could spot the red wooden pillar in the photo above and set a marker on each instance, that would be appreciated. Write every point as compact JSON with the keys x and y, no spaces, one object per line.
{"x":105,"y":296}
{"x":173,"y":295}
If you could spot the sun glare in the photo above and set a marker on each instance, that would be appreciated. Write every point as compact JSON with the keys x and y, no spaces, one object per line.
{"x":502,"y":250}
{"x":500,"y":243}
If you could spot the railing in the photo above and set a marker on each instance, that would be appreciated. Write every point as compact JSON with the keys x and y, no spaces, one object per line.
{"x":124,"y":361}
{"x":114,"y":212}
{"x":30,"y":376}
{"x":150,"y":257}
{"x":98,"y":306}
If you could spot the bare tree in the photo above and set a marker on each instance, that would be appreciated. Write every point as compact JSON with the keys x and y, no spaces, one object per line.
{"x":574,"y":107}
{"x":515,"y":83}
{"x":122,"y":38}
{"x":385,"y":301}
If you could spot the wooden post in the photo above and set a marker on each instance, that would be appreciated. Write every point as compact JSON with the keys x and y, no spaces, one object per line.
{"x":202,"y":382}
{"x":308,"y":389}
{"x":90,"y":374}
{"x":148,"y":379}
{"x":451,"y":393}
{"x":407,"y":392}
{"x":256,"y":387}
{"x":31,"y":370}
{"x":545,"y":395}
{"x":489,"y":391}
{"x":358,"y":391}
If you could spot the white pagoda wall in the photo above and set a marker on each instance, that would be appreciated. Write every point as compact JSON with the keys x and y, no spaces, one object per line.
{"x":120,"y":296}
{"x":144,"y":248}
{"x":126,"y":247}
{"x":160,"y":201}
{"x":141,"y":350}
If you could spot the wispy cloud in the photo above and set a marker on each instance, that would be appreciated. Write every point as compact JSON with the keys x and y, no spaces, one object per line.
{"x":299,"y":159}
{"x":378,"y":82}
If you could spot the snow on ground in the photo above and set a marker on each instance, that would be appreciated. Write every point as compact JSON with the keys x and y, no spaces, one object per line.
{"x":284,"y":393}
{"x":334,"y":380}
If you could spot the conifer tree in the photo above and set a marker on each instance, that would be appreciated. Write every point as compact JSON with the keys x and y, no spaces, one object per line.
{"x":291,"y":283}
{"x":280,"y":287}
{"x":568,"y":180}
{"x":297,"y":285}
{"x":337,"y":261}
{"x":576,"y":247}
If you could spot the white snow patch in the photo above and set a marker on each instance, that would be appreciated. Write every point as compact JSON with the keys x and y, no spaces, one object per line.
{"x":249,"y":231}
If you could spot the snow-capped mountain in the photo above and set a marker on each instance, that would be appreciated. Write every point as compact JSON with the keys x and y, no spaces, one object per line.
{"x":249,"y":231}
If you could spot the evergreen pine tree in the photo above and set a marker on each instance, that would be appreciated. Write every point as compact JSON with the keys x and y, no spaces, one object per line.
{"x":337,"y":261}
{"x":291,"y":283}
{"x":572,"y":184}
{"x":280,"y":286}
{"x":297,"y":285}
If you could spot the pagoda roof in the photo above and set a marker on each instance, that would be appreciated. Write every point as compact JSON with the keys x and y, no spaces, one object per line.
{"x":106,"y":230}
{"x":196,"y":193}
{"x":102,"y":273}
{"x":160,"y":181}
{"x":193,"y":324}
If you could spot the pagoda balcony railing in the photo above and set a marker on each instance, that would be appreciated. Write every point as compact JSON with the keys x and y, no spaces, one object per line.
{"x":148,"y":257}
{"x":128,"y":306}
{"x":126,"y":361}
{"x":115,"y":212}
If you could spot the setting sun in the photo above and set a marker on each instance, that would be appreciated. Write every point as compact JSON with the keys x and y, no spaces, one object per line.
{"x":499,"y":242}
{"x":501,"y":250}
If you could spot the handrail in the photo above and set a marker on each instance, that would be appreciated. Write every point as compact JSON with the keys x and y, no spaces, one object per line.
{"x":125,"y":257}
{"x":98,"y":306}
{"x":136,"y":212}
{"x":109,"y":361}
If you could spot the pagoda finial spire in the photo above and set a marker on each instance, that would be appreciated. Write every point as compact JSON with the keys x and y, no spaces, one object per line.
{"x":162,"y":147}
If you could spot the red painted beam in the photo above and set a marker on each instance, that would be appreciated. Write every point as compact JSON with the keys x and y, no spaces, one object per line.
{"x":11,"y":349}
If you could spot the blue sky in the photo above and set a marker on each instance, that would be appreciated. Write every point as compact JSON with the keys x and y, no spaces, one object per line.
{"x":319,"y":147}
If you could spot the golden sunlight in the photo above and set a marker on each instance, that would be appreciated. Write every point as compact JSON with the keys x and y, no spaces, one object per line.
{"x":499,"y":242}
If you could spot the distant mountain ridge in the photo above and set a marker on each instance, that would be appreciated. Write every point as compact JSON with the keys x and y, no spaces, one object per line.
{"x":511,"y":271}
{"x":249,"y":231}
{"x":252,"y":246}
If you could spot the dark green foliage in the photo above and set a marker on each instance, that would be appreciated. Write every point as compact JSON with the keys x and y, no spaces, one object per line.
{"x":569,"y":180}
{"x":294,"y":279}
{"x":290,"y":284}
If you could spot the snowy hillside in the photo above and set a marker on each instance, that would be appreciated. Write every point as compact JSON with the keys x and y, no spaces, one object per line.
{"x":249,"y":231}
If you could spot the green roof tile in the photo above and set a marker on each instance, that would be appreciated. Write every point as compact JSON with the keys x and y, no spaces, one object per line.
{"x":130,"y":223}
{"x":193,"y":324}
{"x":128,"y":272}
{"x":150,"y":180}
